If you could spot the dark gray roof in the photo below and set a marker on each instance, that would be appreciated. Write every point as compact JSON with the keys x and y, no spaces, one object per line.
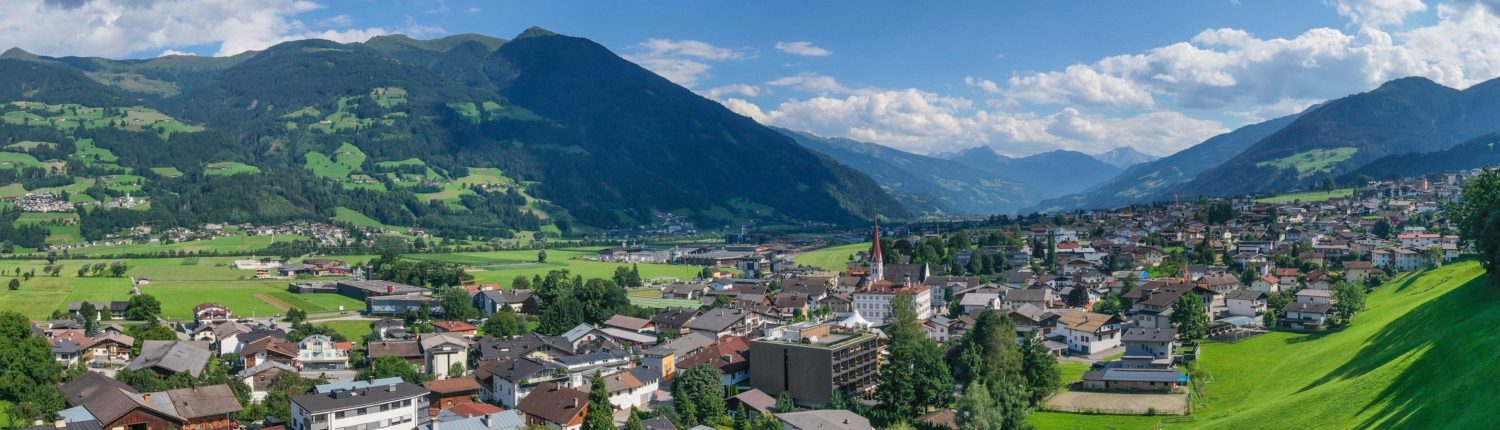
{"x":513,"y":370}
{"x":200,"y":402}
{"x":1141,"y":334}
{"x":382,"y":287}
{"x":399,"y":348}
{"x":718,"y":319}
{"x":1245,"y":295}
{"x":172,"y":355}
{"x":1316,"y":308}
{"x":353,"y":398}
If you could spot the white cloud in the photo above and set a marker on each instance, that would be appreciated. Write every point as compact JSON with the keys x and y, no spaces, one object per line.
{"x":338,"y":21}
{"x":115,"y":28}
{"x":733,"y":89}
{"x":1079,"y":84}
{"x":681,"y":61}
{"x":171,"y":52}
{"x":803,"y":48}
{"x":1378,"y":12}
{"x":983,"y":84}
{"x":925,"y":122}
{"x":811,"y":82}
{"x":473,"y":10}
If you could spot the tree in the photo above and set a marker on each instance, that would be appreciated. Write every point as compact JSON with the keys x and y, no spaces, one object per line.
{"x":296,"y":315}
{"x":721,"y":301}
{"x":88,"y":316}
{"x":1478,"y":218}
{"x":388,"y":366}
{"x":541,"y":256}
{"x":784,"y":403}
{"x":1078,"y":297}
{"x":976,"y":410}
{"x":766,"y":421}
{"x":457,"y":304}
{"x":521,"y":283}
{"x":456,"y":370}
{"x":116,"y":269}
{"x":1351,"y":299}
{"x":1382,"y":228}
{"x":30,"y":375}
{"x":1039,"y":367}
{"x":600,"y":415}
{"x":15,"y":284}
{"x":1434,"y":256}
{"x":1189,"y":316}
{"x":700,"y":395}
{"x":914,"y":378}
{"x":504,"y":324}
{"x":634,"y":422}
{"x":142,"y":307}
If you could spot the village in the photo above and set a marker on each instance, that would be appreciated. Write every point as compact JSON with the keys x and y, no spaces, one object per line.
{"x":1129,"y":293}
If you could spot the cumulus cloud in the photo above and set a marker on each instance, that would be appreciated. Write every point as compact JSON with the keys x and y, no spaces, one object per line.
{"x":803,"y":48}
{"x":114,"y":28}
{"x":925,"y":122}
{"x":171,"y":52}
{"x":983,"y":84}
{"x":732,"y":89}
{"x":1233,"y":69}
{"x":1378,"y":12}
{"x":684,"y":62}
{"x":811,"y":82}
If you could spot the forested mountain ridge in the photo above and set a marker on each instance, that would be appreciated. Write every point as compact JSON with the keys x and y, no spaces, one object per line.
{"x":467,"y":136}
{"x":1045,"y":175}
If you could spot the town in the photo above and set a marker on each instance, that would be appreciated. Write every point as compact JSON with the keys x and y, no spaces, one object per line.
{"x":788,"y":333}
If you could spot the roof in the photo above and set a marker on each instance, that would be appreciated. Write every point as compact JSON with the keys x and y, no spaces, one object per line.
{"x":1309,"y":292}
{"x":554,"y":403}
{"x":452,"y":385}
{"x":454,"y":326}
{"x":270,"y":344}
{"x":513,"y":370}
{"x":1141,"y":334}
{"x":201,"y":402}
{"x":399,"y":348}
{"x":757,"y":400}
{"x":356,"y":397}
{"x":1245,"y":295}
{"x":472,"y":409}
{"x":432,"y":341}
{"x":717,"y":320}
{"x":627,"y":322}
{"x":498,"y":420}
{"x":682,"y":345}
{"x":831,"y":419}
{"x":1144,"y":375}
{"x":1311,"y":308}
{"x":674,"y":316}
{"x":1086,"y":321}
{"x":172,"y":355}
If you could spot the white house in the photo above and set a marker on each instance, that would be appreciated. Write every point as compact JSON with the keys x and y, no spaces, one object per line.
{"x":378,"y":404}
{"x":442,"y":350}
{"x":1245,"y":303}
{"x":1088,"y":332}
{"x":319,"y":352}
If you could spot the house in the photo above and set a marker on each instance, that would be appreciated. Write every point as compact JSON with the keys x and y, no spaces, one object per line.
{"x":663,"y":358}
{"x":809,"y":361}
{"x":409,"y":350}
{"x":1358,"y":271}
{"x":630,"y":389}
{"x":447,"y":393}
{"x":1314,"y":296}
{"x":468,"y":331}
{"x":116,"y":309}
{"x":506,"y":382}
{"x":1148,"y":380}
{"x":1266,"y":284}
{"x":1148,"y":348}
{"x":1305,"y":316}
{"x":523,"y":301}
{"x":259,"y":378}
{"x":381,"y":403}
{"x":441,"y":351}
{"x":826,"y":419}
{"x":1287,"y":277}
{"x":114,"y":405}
{"x":680,"y":290}
{"x":172,"y":356}
{"x":555,"y":406}
{"x":673,"y":319}
{"x":874,"y":301}
{"x":269,"y":348}
{"x":496,"y":420}
{"x":319,"y":352}
{"x":731,"y":355}
{"x":1246,"y":303}
{"x":211,"y":313}
{"x":629,"y":323}
{"x":1087,"y":332}
{"x":579,"y":368}
{"x":111,"y":348}
{"x":722,"y":322}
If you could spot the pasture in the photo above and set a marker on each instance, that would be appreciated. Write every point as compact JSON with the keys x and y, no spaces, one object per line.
{"x":832,"y":258}
{"x":1310,"y":196}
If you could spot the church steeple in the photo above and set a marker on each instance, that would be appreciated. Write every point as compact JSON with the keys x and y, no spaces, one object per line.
{"x":877,"y":261}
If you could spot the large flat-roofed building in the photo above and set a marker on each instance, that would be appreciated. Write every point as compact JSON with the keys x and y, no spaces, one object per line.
{"x":811,"y":360}
{"x":360,"y":290}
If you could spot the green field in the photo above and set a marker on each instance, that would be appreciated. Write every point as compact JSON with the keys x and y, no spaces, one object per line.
{"x":229,"y":168}
{"x":1420,"y":356}
{"x":343,"y":214}
{"x":179,"y":287}
{"x":1310,"y":196}
{"x":16,"y":160}
{"x":501,"y":267}
{"x":228,"y":244}
{"x":169,"y":172}
{"x":352,"y":330}
{"x":346,"y":160}
{"x":832,"y":258}
{"x":1311,"y":162}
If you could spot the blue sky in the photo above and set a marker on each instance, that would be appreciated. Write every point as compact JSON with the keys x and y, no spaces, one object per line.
{"x":927,"y":77}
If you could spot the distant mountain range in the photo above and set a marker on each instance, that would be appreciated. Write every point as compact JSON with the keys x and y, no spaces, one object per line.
{"x":1124,"y":157}
{"x":1044,"y":175}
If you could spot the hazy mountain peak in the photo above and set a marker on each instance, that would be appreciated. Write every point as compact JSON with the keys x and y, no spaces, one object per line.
{"x":1124,"y":156}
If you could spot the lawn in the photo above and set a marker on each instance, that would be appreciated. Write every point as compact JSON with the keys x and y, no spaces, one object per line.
{"x":227,"y":244}
{"x":352,"y":330}
{"x":1310,"y":196}
{"x":832,"y":258}
{"x":1420,"y":356}
{"x":227,"y":168}
{"x":346,"y":160}
{"x":179,"y":287}
{"x":501,"y":267}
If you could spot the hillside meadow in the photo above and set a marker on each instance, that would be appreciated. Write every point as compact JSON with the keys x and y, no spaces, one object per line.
{"x":1420,"y":356}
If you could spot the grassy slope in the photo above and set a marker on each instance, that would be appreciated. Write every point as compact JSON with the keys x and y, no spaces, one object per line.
{"x":1418,"y":357}
{"x":501,"y":267}
{"x":831,"y":258}
{"x":1310,"y":196}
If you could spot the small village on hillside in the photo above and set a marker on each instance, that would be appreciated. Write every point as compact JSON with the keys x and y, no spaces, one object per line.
{"x":1102,"y":312}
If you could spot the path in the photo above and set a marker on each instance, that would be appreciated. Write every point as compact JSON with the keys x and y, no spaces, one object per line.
{"x":1119,"y":403}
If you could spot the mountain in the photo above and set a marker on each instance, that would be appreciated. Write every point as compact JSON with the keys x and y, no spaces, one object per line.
{"x":925,"y":184}
{"x":1479,"y":152}
{"x":1404,"y":116}
{"x":1045,"y":175}
{"x":465,"y":136}
{"x":1143,"y":182}
{"x":1124,"y":157}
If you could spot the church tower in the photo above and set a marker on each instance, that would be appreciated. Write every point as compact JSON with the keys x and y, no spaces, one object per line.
{"x":877,"y":261}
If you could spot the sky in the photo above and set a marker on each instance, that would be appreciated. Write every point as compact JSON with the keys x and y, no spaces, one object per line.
{"x":926,"y":77}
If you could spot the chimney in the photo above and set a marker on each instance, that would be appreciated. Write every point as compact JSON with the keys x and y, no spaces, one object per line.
{"x":146,"y":397}
{"x":575,"y":403}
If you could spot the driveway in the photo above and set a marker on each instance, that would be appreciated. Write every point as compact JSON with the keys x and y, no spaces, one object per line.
{"x":1119,"y":403}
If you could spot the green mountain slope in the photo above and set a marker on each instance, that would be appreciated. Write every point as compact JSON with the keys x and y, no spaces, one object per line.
{"x":1421,"y":356}
{"x":924,"y":184}
{"x":1410,"y":115}
{"x":1479,"y":152}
